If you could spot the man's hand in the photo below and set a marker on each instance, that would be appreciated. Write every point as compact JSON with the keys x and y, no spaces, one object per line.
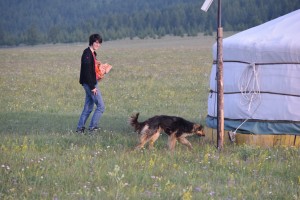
{"x":94,"y":91}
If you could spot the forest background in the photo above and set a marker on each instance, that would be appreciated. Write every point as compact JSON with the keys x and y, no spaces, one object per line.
{"x":34,"y":22}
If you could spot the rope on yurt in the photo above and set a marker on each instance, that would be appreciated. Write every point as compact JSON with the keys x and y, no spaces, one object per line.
{"x":250,"y":90}
{"x":249,"y":85}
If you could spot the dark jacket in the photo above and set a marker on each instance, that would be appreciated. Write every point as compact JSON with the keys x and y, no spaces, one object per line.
{"x":87,"y":70}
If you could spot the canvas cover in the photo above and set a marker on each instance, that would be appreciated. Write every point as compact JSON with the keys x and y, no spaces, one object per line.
{"x":261,"y":79}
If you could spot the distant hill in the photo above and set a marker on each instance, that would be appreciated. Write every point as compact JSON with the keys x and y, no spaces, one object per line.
{"x":54,"y":21}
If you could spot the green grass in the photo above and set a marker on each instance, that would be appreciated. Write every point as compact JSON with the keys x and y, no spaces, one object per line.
{"x":42,"y":158}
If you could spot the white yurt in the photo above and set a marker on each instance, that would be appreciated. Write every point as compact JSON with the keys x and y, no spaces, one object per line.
{"x":261,"y":82}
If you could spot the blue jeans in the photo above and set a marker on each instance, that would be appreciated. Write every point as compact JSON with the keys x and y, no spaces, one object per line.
{"x":90,"y":100}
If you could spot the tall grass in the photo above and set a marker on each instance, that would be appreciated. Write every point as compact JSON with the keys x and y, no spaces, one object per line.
{"x":42,"y":158}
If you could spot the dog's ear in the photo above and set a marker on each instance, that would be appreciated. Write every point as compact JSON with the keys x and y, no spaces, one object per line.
{"x":201,"y":127}
{"x":198,"y":127}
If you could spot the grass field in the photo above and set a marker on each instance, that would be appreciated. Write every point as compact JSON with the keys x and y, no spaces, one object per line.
{"x":41,"y":156}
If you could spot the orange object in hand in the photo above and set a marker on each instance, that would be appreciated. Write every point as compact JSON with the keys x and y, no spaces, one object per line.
{"x":101,"y":70}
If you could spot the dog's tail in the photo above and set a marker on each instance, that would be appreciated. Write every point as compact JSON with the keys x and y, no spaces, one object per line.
{"x":133,"y":121}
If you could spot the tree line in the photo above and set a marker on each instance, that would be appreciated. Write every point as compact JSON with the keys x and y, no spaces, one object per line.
{"x":34,"y":22}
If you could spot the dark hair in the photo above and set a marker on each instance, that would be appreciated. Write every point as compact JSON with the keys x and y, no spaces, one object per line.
{"x":94,"y":38}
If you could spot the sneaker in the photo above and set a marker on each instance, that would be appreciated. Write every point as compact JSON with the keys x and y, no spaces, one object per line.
{"x":80,"y":130}
{"x":231,"y":136}
{"x":94,"y":129}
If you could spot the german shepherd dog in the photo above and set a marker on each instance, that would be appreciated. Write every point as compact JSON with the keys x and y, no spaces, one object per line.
{"x":177,"y":129}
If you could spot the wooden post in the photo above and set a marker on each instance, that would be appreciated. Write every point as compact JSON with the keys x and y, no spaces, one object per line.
{"x":220,"y":86}
{"x":220,"y":92}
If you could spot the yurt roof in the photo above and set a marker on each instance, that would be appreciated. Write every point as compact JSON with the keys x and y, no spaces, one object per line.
{"x":275,"y":41}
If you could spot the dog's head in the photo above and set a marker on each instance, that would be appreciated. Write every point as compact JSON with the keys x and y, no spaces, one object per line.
{"x":198,"y":129}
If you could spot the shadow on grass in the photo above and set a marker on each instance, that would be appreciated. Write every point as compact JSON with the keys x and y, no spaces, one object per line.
{"x":49,"y":129}
{"x":43,"y":123}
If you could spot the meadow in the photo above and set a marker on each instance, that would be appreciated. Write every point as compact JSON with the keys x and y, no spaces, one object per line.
{"x":42,"y":157}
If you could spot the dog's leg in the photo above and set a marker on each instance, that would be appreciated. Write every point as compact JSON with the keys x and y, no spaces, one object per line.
{"x":143,"y":141}
{"x":184,"y":141}
{"x":154,"y":138}
{"x":172,"y":141}
{"x":144,"y":137}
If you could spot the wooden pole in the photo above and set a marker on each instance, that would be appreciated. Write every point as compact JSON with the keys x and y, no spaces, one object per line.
{"x":220,"y":86}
